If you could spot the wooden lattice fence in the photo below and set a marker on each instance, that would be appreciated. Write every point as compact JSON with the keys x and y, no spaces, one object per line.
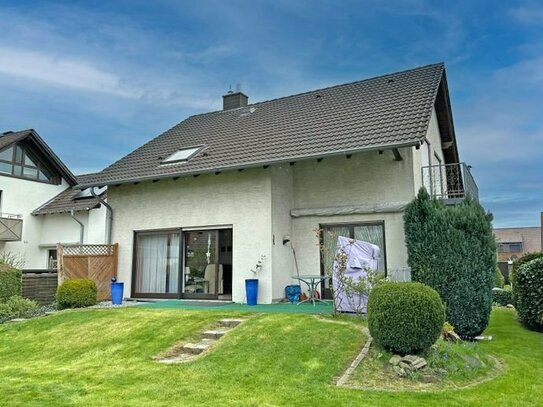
{"x":95,"y":261}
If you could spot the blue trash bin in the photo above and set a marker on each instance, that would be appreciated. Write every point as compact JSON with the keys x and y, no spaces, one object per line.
{"x":251,"y":290}
{"x":117,"y":290}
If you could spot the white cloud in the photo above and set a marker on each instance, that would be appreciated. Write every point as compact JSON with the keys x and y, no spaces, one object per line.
{"x":61,"y":71}
{"x":528,"y":15}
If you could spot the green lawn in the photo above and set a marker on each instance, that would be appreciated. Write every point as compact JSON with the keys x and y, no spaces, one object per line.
{"x":102,"y":357}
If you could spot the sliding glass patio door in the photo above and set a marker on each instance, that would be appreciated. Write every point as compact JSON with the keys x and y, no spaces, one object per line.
{"x":157,"y":263}
{"x":201,"y":273}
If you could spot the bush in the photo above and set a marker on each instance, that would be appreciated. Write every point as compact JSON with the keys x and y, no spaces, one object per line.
{"x":502,"y":297}
{"x":499,"y":280}
{"x":529,"y":288}
{"x":10,"y":283}
{"x":405,"y":317}
{"x":452,"y":249}
{"x":17,"y":307}
{"x":516,"y":264}
{"x":76,"y":293}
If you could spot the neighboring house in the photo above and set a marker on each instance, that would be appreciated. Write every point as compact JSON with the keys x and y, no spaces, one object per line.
{"x":196,"y":207}
{"x":515,"y":242}
{"x":38,"y":208}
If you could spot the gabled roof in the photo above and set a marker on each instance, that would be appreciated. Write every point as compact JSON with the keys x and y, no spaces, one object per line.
{"x":385,"y":112}
{"x":67,"y":201}
{"x":8,"y":138}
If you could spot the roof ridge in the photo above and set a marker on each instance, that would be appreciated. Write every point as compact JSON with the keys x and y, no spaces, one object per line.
{"x":437,"y":64}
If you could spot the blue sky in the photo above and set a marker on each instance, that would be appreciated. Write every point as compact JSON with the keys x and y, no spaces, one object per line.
{"x":97,"y":79}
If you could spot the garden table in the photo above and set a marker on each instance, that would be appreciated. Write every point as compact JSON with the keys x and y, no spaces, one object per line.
{"x":312,"y":281}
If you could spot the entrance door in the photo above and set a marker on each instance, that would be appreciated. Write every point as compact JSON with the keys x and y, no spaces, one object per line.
{"x":207,"y":269}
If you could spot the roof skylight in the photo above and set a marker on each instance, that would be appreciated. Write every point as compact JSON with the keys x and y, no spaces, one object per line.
{"x":184,"y":154}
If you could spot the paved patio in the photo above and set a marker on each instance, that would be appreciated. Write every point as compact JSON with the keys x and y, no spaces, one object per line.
{"x":285,"y":308}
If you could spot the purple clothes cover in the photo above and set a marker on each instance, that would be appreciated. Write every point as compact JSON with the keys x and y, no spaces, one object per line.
{"x":360,"y":256}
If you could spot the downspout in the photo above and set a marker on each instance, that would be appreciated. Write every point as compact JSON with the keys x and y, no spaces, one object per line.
{"x":82,"y":227}
{"x":109,"y":216}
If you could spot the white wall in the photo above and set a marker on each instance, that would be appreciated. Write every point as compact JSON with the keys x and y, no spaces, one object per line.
{"x":282,"y":202}
{"x":240,"y":199}
{"x":21,"y":196}
{"x":367,"y":178}
{"x":434,"y":137}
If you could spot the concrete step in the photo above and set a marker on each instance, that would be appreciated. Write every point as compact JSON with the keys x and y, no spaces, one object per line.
{"x":230,"y":322}
{"x":196,"y":348}
{"x":181,"y":358}
{"x":213,"y":334}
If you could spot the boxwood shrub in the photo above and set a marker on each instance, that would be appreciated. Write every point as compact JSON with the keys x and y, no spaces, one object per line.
{"x":529,"y":289}
{"x":499,"y":280}
{"x":452,"y":249}
{"x":405,"y":317}
{"x":17,"y":307}
{"x":10,"y":283}
{"x":502,"y":297}
{"x":516,"y":264}
{"x":76,"y":293}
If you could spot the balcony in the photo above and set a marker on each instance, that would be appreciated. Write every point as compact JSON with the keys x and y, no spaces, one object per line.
{"x":11,"y":227}
{"x":450,"y":182}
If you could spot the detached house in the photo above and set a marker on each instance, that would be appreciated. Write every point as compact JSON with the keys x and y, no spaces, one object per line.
{"x":38,"y":207}
{"x":196,"y":207}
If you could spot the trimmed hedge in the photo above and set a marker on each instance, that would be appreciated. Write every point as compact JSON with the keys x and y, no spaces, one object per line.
{"x":405,"y":317}
{"x":529,"y":288}
{"x":10,"y":283}
{"x":17,"y":307}
{"x":502,"y":297}
{"x":516,"y":264}
{"x":499,"y":280}
{"x":452,"y":249}
{"x":77,"y":293}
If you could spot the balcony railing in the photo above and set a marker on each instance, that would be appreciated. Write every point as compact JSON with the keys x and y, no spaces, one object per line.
{"x":451,"y":182}
{"x":11,"y":227}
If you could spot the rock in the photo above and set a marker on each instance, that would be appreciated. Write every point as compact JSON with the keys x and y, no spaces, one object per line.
{"x":472,"y":362}
{"x":399,"y":371}
{"x":510,"y":306}
{"x":441,"y":372}
{"x":404,"y":365}
{"x":395,"y":360}
{"x":428,"y":378}
{"x":413,"y":362}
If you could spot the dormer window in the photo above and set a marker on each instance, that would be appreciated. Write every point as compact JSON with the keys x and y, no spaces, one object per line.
{"x":184,"y":154}
{"x":16,"y":161}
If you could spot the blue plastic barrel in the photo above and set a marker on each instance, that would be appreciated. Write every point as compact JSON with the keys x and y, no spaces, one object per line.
{"x":251,"y":290}
{"x":117,"y":293}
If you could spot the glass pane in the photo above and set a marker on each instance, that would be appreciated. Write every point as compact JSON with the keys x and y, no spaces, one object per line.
{"x":28,"y":161}
{"x":17,"y":170}
{"x":7,"y":154}
{"x":43,"y":176}
{"x":5,"y":168}
{"x":18,"y":155}
{"x":373,"y":234}
{"x":329,"y":240}
{"x":157,"y":263}
{"x":30,"y":172}
{"x":201,"y":267}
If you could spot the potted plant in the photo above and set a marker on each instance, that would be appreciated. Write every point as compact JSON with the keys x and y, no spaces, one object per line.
{"x":251,"y":284}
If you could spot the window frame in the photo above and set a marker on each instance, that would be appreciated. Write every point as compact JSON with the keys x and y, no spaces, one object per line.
{"x":20,"y":165}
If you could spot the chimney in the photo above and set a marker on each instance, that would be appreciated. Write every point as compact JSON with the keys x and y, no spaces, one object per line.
{"x":234,"y":100}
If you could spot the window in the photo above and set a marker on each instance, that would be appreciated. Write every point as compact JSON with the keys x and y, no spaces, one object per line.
{"x":510,"y":247}
{"x":15,"y":160}
{"x":372,"y":232}
{"x":52,"y":259}
{"x":182,"y":155}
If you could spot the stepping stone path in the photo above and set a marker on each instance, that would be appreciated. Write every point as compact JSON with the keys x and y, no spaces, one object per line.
{"x":190,"y":351}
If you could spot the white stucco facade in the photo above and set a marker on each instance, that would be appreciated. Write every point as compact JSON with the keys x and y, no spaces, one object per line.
{"x":42,"y":233}
{"x":258,"y":203}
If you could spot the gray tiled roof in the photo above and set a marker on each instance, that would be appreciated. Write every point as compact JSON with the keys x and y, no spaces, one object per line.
{"x":66,"y":202}
{"x":384,"y":112}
